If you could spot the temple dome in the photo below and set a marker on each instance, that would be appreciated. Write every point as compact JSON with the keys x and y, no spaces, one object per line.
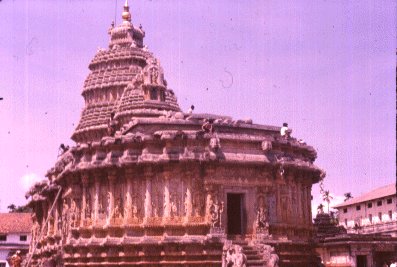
{"x":126,"y":80}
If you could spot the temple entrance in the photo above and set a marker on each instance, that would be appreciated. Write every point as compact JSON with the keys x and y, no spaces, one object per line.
{"x":235,"y":214}
{"x":361,"y":261}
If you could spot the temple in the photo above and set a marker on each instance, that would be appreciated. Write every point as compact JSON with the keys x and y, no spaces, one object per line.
{"x":147,"y":184}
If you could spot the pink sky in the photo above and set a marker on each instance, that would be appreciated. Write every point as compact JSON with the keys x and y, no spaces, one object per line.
{"x":325,"y":67}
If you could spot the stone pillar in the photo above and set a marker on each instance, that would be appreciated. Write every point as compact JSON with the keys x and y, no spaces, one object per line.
{"x":49,"y":219}
{"x":56,"y":217}
{"x":167,"y":204}
{"x":148,"y":193}
{"x":278,"y":205}
{"x":112,"y":178}
{"x":84,"y":181}
{"x":129,"y":175}
{"x":299,"y":202}
{"x":96,"y":197}
{"x":304,"y":196}
{"x":308,"y":203}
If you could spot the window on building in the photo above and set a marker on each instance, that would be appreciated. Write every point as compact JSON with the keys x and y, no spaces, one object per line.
{"x":370,"y":218}
{"x":153,"y":93}
{"x":370,"y":205}
{"x":389,"y":201}
{"x":23,"y":238}
{"x":3,"y":237}
{"x":390,"y":214}
{"x":379,"y":203}
{"x":380,"y":216}
{"x":345,"y":210}
{"x":358,"y":207}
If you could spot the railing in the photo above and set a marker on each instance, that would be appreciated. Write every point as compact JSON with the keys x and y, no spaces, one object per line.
{"x":375,"y":228}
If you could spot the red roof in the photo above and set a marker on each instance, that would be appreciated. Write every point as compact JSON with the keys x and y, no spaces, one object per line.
{"x":15,"y":223}
{"x":384,"y":191}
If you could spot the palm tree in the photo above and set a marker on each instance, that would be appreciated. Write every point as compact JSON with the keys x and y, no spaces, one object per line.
{"x":327,"y":197}
{"x":348,"y":196}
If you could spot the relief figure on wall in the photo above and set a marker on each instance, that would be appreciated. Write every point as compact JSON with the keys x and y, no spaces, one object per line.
{"x":74,"y":214}
{"x":65,"y":218}
{"x":135,"y":207}
{"x":216,"y":210}
{"x":261,"y":214}
{"x":88,"y":209}
{"x":117,"y":211}
{"x":198,"y":204}
{"x":174,"y":203}
{"x":154,"y":74}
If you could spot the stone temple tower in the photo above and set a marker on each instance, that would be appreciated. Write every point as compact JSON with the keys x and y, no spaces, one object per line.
{"x":149,"y":185}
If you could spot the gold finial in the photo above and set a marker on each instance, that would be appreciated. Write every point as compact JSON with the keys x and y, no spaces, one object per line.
{"x":126,"y":15}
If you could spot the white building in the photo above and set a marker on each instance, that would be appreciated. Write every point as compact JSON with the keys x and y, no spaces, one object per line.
{"x":372,"y":212}
{"x":15,"y":234}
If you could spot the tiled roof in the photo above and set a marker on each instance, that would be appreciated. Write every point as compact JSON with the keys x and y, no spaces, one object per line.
{"x":379,"y":192}
{"x":15,"y":223}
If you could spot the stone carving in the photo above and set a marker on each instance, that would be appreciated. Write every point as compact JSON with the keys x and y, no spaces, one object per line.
{"x":174,"y":209}
{"x":266,"y":145}
{"x":216,"y":210}
{"x":117,"y":211}
{"x":88,"y":209}
{"x":154,"y":74}
{"x":136,"y":206}
{"x":65,"y":218}
{"x":35,"y":233}
{"x":74,"y":214}
{"x":261,"y":214}
{"x":112,"y":125}
{"x":269,"y":256}
{"x":188,"y":203}
{"x":198,"y":204}
{"x":215,"y":143}
{"x":233,"y":256}
{"x":134,"y":210}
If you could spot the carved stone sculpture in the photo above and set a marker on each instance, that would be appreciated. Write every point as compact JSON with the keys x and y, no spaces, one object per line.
{"x":216,"y":210}
{"x":233,"y":256}
{"x":269,"y":256}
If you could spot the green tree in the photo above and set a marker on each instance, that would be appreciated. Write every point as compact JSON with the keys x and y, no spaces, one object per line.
{"x":327,"y":197}
{"x":18,"y":209}
{"x":348,"y":196}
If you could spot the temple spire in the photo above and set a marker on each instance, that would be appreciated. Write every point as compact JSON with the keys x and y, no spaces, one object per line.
{"x":126,"y":15}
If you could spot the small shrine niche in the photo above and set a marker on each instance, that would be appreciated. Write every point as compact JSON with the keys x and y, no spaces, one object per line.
{"x":154,"y":85}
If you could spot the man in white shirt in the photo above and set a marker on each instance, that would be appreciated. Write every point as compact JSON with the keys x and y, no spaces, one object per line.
{"x":284,"y":131}
{"x":190,"y":111}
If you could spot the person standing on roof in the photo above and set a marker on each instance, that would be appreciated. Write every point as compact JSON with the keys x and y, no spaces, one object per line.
{"x":284,"y":131}
{"x":190,"y":111}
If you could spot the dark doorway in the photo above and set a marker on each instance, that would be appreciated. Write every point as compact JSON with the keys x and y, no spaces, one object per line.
{"x":361,"y":261}
{"x":235,"y":222}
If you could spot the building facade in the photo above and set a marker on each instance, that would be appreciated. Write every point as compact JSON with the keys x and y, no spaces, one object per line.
{"x":369,"y":236}
{"x":15,"y":234}
{"x":149,"y":185}
{"x":372,"y":212}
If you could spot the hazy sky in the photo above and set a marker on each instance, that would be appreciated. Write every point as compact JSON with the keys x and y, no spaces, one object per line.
{"x":325,"y":67}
